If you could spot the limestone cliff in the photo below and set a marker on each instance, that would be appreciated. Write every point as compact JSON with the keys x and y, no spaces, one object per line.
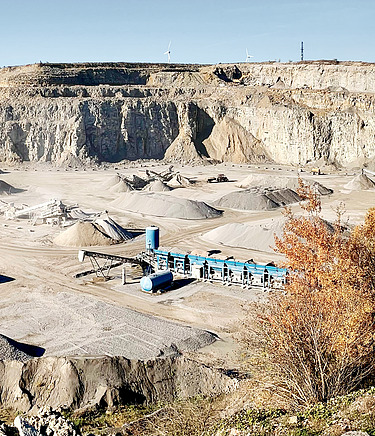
{"x":286,"y":113}
{"x":78,"y":382}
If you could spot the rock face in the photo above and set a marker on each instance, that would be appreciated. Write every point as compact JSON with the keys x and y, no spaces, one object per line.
{"x":106,"y":381}
{"x":286,"y":113}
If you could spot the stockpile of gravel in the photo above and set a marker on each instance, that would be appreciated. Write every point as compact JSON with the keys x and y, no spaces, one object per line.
{"x":255,"y":236}
{"x":10,"y":351}
{"x":121,"y":186}
{"x":112,"y":181}
{"x":258,"y":235}
{"x":82,"y":325}
{"x":265,"y":181}
{"x":179,"y":181}
{"x":83,"y":234}
{"x":283,"y":197}
{"x":359,"y":183}
{"x":7,"y":189}
{"x":157,"y":186}
{"x":165,"y":206}
{"x":113,"y":230}
{"x":323,"y":190}
{"x":258,"y":199}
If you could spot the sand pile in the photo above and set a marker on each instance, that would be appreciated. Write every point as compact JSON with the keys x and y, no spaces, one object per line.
{"x":113,"y":181}
{"x":82,"y":234}
{"x":113,"y":230}
{"x":119,"y":183}
{"x":9,"y":350}
{"x":359,"y":183}
{"x":267,"y":181}
{"x":157,"y":186}
{"x":163,"y":205}
{"x":280,"y":183}
{"x":121,"y":186}
{"x":258,"y":199}
{"x":257,"y":236}
{"x":7,"y":189}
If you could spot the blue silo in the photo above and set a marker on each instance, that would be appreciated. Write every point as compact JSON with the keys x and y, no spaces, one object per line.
{"x":152,"y":238}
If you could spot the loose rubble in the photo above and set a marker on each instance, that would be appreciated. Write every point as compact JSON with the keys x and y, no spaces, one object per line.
{"x":10,"y":351}
{"x":46,"y":422}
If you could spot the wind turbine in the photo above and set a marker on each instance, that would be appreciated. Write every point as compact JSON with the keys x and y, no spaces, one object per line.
{"x":168,"y":52}
{"x":248,"y":56}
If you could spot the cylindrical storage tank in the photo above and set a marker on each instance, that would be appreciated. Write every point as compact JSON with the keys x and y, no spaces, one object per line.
{"x":158,"y":280}
{"x":152,"y":238}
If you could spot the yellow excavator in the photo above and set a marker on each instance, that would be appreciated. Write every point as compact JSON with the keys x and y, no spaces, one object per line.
{"x":315,"y":171}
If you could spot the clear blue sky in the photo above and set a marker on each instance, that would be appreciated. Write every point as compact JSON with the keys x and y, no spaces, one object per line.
{"x":201,"y":31}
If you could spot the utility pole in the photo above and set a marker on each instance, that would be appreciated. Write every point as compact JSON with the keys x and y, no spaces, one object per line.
{"x":301,"y":50}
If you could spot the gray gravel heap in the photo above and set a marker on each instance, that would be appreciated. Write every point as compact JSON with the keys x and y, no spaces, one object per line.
{"x":258,"y":198}
{"x":9,"y":350}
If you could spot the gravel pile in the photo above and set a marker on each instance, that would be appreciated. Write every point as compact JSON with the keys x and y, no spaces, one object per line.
{"x":179,"y":181}
{"x":9,"y":350}
{"x":83,"y":234}
{"x":72,"y":325}
{"x":149,"y":203}
{"x":121,"y":186}
{"x":157,"y":186}
{"x":258,"y":199}
{"x":359,"y":183}
{"x":7,"y":189}
{"x":113,"y":230}
{"x":323,"y":190}
{"x":256,"y":236}
{"x":265,"y":181}
{"x":112,"y":181}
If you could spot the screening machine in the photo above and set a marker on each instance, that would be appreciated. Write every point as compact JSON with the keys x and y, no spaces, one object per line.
{"x":227,"y":272}
{"x":158,"y":266}
{"x":245,"y":274}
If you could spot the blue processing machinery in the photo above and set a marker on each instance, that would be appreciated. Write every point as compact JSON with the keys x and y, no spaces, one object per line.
{"x":158,"y":266}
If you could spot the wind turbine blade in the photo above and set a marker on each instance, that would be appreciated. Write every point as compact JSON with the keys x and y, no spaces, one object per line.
{"x":169,"y":45}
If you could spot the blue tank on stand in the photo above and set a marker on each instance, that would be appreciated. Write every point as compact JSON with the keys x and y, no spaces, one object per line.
{"x":152,"y":238}
{"x":158,"y":280}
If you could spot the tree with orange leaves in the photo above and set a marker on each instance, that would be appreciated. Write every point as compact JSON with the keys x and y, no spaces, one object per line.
{"x":320,"y":332}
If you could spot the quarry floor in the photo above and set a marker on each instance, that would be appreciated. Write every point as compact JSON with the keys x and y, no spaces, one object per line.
{"x":45,"y":306}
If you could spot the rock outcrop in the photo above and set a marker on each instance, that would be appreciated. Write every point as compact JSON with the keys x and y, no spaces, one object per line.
{"x":45,"y":422}
{"x":81,"y":382}
{"x":287,"y":113}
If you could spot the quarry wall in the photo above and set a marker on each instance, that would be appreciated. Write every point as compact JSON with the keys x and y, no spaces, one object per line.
{"x":282,"y":113}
